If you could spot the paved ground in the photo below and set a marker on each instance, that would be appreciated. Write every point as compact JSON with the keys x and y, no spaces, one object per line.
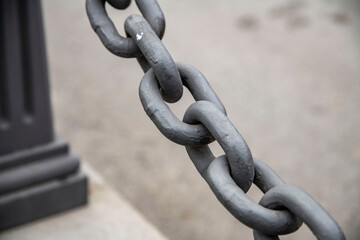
{"x":288,"y":73}
{"x":97,"y":220}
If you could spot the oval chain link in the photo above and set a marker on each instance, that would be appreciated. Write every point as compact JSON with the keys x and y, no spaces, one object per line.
{"x":237,"y":151}
{"x":168,"y":124}
{"x":216,"y":173}
{"x":283,"y":208}
{"x":305,"y":207}
{"x":145,"y":34}
{"x":157,"y":56}
{"x":106,"y":30}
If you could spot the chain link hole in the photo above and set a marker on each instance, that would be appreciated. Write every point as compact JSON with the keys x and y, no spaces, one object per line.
{"x":119,"y":17}
{"x":179,"y":107}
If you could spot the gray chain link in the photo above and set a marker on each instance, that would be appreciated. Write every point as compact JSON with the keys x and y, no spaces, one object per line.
{"x":283,"y":208}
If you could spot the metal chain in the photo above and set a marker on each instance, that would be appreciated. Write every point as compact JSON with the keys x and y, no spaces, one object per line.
{"x":283,"y":208}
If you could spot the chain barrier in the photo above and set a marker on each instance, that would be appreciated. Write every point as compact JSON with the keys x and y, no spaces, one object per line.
{"x":283,"y":208}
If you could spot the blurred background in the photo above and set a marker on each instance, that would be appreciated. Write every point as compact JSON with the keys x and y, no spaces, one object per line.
{"x":287,"y":71}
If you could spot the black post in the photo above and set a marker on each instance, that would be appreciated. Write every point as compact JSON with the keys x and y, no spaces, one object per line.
{"x":38,"y":174}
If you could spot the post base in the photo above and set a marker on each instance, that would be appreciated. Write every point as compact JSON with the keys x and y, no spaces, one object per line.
{"x":38,"y":182}
{"x":42,"y":200}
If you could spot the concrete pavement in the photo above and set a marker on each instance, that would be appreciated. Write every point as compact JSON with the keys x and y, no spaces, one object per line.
{"x":107,"y":216}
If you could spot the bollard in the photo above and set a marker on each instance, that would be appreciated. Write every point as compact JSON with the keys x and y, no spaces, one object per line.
{"x":39,"y":175}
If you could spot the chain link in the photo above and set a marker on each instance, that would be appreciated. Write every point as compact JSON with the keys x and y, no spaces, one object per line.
{"x":169,"y":125}
{"x":283,"y":208}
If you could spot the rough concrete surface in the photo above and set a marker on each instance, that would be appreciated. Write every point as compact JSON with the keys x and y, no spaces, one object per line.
{"x":287,"y":71}
{"x":107,"y":216}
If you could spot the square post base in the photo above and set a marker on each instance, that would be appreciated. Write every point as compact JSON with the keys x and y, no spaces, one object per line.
{"x":42,"y":200}
{"x":38,"y":182}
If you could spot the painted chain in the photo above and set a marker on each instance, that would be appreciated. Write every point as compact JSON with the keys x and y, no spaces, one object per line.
{"x":283,"y":208}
